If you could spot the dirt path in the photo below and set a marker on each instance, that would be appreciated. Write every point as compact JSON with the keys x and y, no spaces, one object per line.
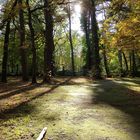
{"x":79,"y":110}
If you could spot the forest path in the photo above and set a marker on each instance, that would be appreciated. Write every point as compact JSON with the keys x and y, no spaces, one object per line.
{"x":79,"y":110}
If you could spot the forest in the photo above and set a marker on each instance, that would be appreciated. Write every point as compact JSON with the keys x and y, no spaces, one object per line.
{"x":71,"y":67}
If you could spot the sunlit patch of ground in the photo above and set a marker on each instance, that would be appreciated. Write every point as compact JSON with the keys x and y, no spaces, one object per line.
{"x":75,"y":110}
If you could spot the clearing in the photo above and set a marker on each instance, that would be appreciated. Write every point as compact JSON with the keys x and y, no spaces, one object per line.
{"x":72,"y":109}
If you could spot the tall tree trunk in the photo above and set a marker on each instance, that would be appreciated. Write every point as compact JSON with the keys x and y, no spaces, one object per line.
{"x":96,"y":66}
{"x":126,"y":63}
{"x":86,"y":24}
{"x":5,"y":52}
{"x":23,"y":49}
{"x":17,"y":70}
{"x":105,"y":62}
{"x":12,"y":65}
{"x":120,"y":62}
{"x":14,"y":44}
{"x":130,"y":63}
{"x":5,"y":48}
{"x":71,"y":42}
{"x":134,"y":67}
{"x":49,"y":43}
{"x":34,"y":65}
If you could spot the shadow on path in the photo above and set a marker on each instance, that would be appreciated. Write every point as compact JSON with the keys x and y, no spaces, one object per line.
{"x":22,"y":91}
{"x":120,"y":97}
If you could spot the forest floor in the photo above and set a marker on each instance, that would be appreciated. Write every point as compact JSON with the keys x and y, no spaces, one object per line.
{"x":71,"y":109}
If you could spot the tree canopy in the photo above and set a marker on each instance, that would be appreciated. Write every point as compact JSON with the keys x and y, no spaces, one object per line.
{"x":38,"y":38}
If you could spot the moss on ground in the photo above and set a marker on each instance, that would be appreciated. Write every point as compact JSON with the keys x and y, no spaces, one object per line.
{"x":102,"y":110}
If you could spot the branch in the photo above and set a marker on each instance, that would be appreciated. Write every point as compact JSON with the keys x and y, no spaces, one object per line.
{"x":9,"y":15}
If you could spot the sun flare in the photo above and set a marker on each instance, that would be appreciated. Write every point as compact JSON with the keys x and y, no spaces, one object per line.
{"x":77,"y":8}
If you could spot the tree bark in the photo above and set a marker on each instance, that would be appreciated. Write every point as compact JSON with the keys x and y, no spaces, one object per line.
{"x":120,"y":62}
{"x":130,"y":63}
{"x":5,"y":53}
{"x":6,"y":43}
{"x":96,"y":71}
{"x":71,"y":41}
{"x":105,"y":62}
{"x":49,"y":43}
{"x":134,"y":67}
{"x":34,"y":65}
{"x":23,"y":49}
{"x":126,"y":63}
{"x":86,"y":24}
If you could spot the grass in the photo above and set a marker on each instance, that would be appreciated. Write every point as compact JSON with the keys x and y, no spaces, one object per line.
{"x":78,"y":109}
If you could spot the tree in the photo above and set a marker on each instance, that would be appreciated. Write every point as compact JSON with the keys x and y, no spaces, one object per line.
{"x":34,"y":65}
{"x":85,"y":23}
{"x":123,"y":32}
{"x":8,"y":18}
{"x":5,"y":52}
{"x":96,"y":71}
{"x":23,"y":47}
{"x":49,"y":42}
{"x":105,"y":61}
{"x":70,"y":40}
{"x":43,"y":33}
